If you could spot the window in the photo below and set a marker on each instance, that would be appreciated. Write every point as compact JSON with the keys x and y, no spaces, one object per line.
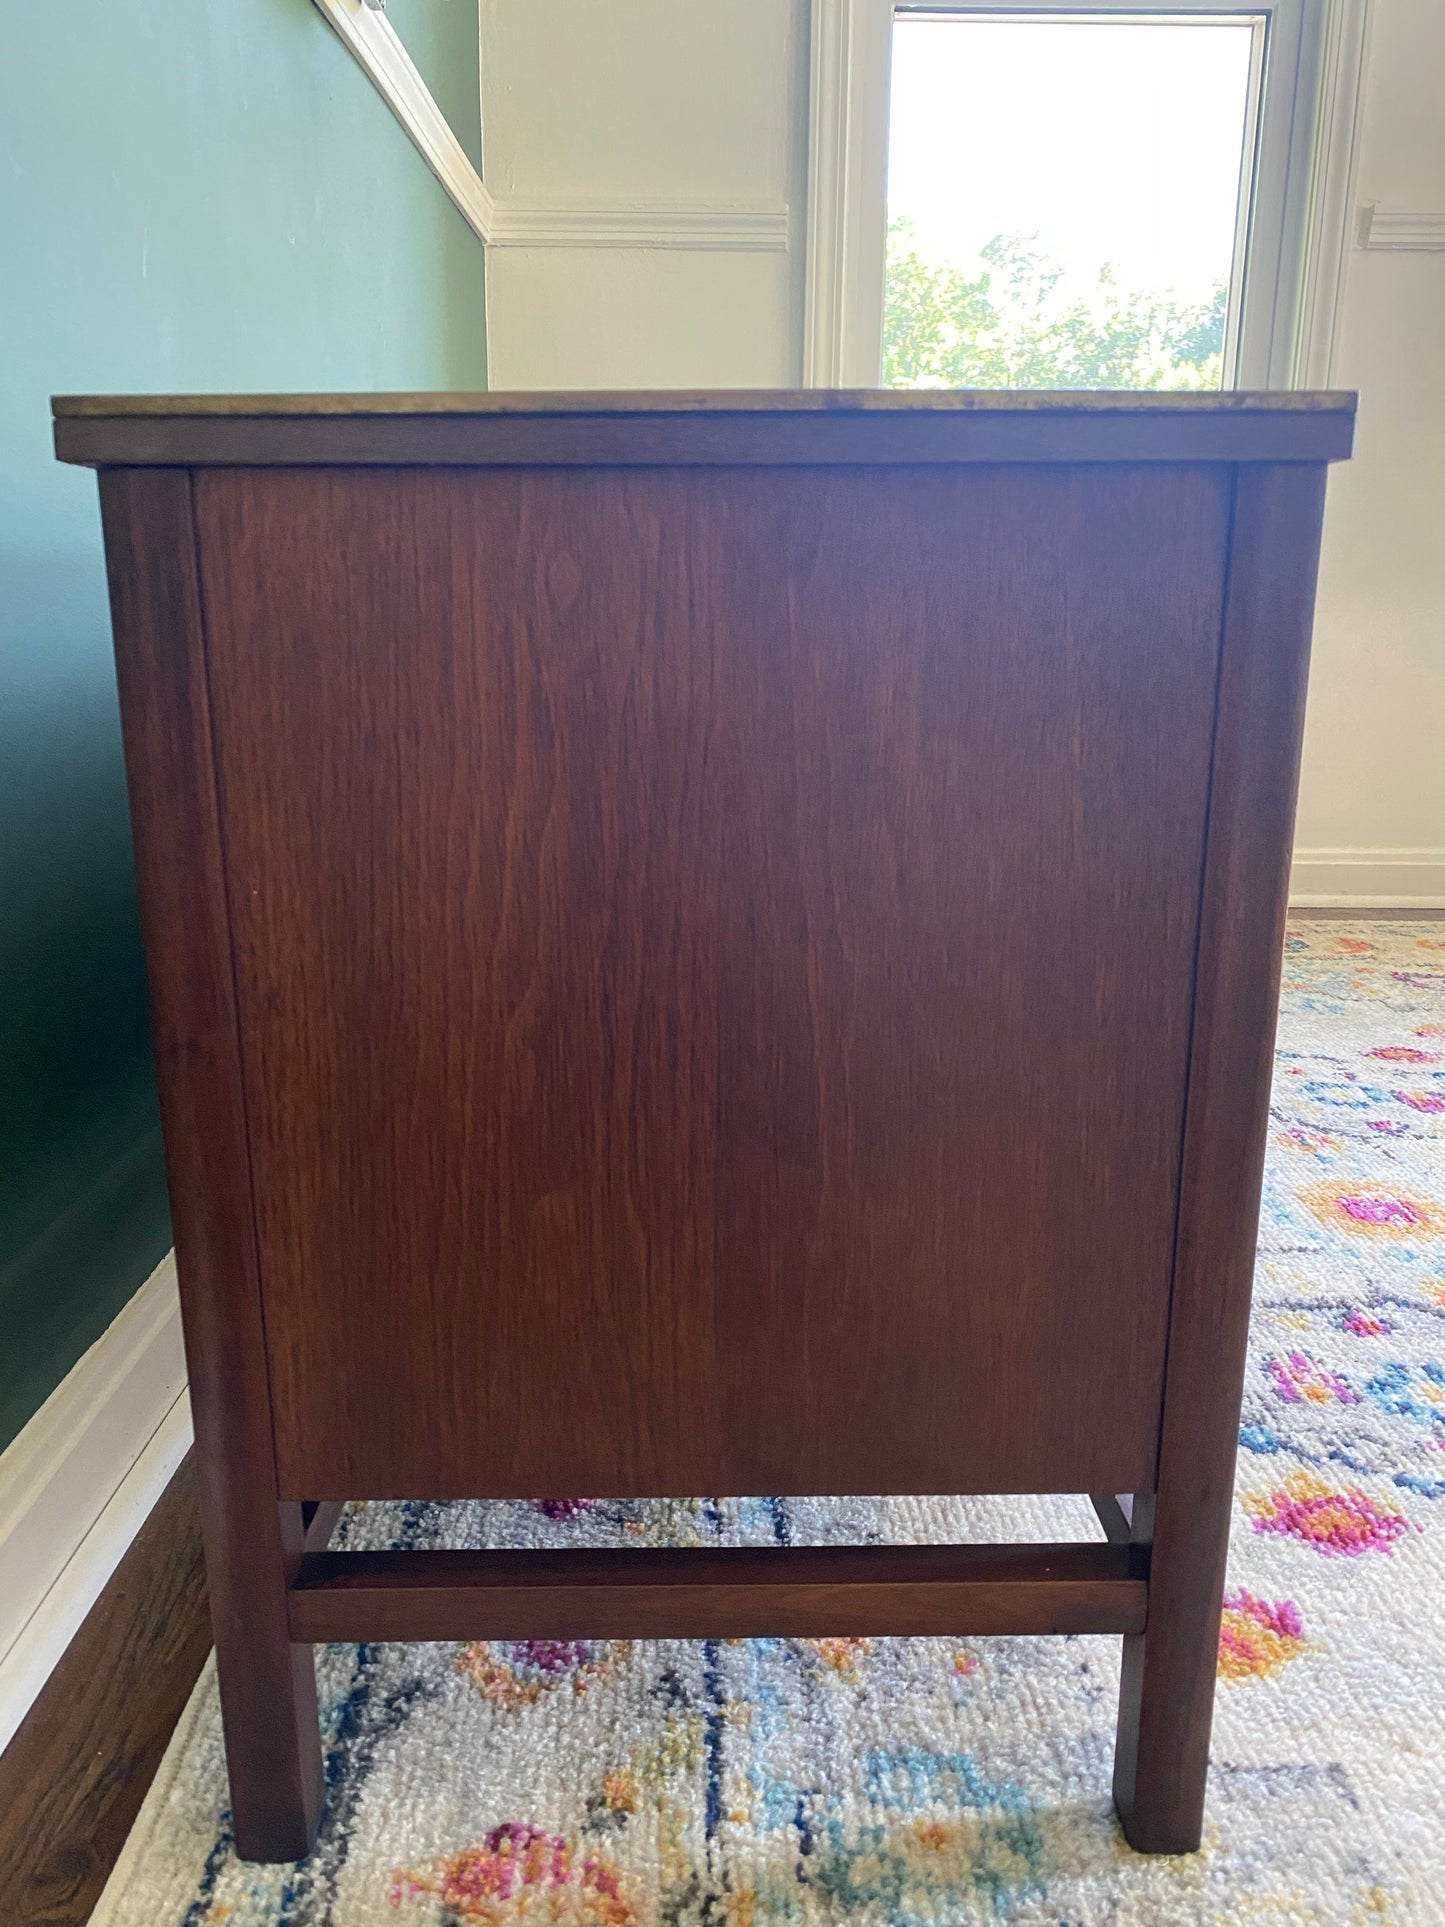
{"x":1075,"y":195}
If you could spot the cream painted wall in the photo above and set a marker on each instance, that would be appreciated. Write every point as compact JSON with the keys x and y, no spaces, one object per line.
{"x":1372,"y":791}
{"x":702,"y":104}
{"x":693,"y":104}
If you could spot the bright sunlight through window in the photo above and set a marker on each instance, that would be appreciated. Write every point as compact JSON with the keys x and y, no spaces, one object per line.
{"x":1064,"y":200}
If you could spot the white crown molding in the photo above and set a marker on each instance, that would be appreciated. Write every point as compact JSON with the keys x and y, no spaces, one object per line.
{"x":517,"y":223}
{"x":1412,"y":877}
{"x":1344,"y":56}
{"x":78,"y":1482}
{"x":1379,"y":228}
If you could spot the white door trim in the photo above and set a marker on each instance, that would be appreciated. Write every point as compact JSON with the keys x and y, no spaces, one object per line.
{"x":847,"y":199}
{"x":1344,"y":57}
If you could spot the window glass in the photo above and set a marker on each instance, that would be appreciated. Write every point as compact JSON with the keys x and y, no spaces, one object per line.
{"x":1064,"y":199}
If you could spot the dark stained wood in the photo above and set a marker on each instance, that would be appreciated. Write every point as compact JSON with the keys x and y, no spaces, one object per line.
{"x":1114,"y":1513}
{"x":318,"y":1522}
{"x":679,"y":965}
{"x":252,"y":1541}
{"x":1167,"y":1697}
{"x":1229,"y":402}
{"x":811,"y":427}
{"x":721,"y":1593}
{"x":789,"y":1098}
{"x":74,"y":1775}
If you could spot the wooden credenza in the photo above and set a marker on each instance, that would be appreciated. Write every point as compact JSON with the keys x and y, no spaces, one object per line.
{"x":713,"y":943}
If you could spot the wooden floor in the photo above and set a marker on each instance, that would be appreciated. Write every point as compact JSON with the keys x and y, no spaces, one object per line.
{"x":73,"y":1777}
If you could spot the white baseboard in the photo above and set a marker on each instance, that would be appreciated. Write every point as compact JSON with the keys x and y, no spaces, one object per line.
{"x":79,"y":1481}
{"x":1384,"y":879}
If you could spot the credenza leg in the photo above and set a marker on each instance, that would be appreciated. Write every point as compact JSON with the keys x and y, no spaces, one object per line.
{"x":1166,"y":1703}
{"x":1166,"y":1692}
{"x":268,"y":1700}
{"x":268,"y":1687}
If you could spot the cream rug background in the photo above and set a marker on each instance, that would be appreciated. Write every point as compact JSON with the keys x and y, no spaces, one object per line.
{"x":923,"y":1781}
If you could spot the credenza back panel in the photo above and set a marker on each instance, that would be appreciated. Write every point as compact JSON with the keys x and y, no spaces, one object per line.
{"x":714,"y":964}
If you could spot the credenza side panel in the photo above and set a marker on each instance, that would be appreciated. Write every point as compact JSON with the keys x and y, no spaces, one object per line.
{"x":714,"y":957}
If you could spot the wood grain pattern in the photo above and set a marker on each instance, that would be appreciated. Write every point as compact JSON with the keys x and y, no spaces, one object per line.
{"x":678,"y":968}
{"x":252,"y":1542}
{"x":732,"y":1592}
{"x":1167,"y":1694}
{"x":74,"y":1775}
{"x":936,"y":427}
{"x":727,"y":401}
{"x":756,"y":913}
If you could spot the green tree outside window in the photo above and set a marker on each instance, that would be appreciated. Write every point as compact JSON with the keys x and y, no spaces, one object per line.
{"x":1008,"y":327}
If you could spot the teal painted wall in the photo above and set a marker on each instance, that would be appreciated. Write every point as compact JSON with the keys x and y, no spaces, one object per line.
{"x":194,"y":194}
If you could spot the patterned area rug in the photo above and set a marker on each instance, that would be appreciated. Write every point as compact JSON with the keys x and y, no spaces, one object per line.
{"x":905,"y":1782}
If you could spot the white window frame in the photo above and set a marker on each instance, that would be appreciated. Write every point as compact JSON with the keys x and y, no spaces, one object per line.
{"x":1292,"y":240}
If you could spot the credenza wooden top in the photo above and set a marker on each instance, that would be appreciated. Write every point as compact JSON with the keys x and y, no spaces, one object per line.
{"x":727,"y":426}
